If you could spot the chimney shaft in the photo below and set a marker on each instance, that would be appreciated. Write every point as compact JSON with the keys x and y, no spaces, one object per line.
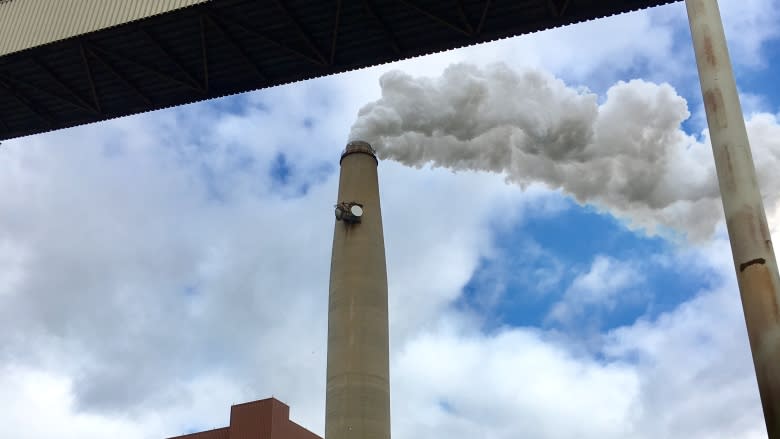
{"x":357,"y":403}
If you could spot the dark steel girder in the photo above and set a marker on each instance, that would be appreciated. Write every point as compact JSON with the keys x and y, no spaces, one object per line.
{"x":334,"y":40}
{"x":301,"y":31}
{"x":89,"y":77}
{"x":25,"y":102}
{"x":482,"y":18}
{"x":558,"y":7}
{"x":79,"y":101}
{"x":194,"y":84}
{"x":106,"y":53}
{"x":265,"y":36}
{"x":236,"y":45}
{"x":204,"y":52}
{"x":464,"y":17}
{"x":391,"y":39}
{"x":223,"y":47}
{"x":24,"y":83}
{"x":93,"y":51}
{"x":435,"y":17}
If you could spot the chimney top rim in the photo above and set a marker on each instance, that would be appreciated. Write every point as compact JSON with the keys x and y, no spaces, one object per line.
{"x":359,"y":146}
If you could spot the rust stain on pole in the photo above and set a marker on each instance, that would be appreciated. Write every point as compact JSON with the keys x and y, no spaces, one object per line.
{"x":709,"y":51}
{"x":751,"y":245}
{"x":713,"y":102}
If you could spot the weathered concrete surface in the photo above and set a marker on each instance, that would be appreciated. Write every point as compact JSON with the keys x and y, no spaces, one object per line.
{"x":751,"y":244}
{"x":357,"y":402}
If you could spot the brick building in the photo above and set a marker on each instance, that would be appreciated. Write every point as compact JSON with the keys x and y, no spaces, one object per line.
{"x":263,"y":419}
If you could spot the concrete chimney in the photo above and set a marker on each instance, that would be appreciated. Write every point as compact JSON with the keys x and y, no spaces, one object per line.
{"x":357,"y":403}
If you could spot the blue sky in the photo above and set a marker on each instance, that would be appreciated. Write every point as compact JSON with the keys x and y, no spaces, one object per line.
{"x":158,"y":268}
{"x":560,"y":247}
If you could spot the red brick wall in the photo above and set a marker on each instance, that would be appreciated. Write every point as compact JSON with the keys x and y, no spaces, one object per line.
{"x":219,"y":433}
{"x":295,"y":431}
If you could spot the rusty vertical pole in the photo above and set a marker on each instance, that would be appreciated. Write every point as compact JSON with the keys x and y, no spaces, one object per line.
{"x":751,"y":245}
{"x":357,"y":400}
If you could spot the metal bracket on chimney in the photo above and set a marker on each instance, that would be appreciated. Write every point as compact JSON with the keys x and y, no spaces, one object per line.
{"x":349,"y":212}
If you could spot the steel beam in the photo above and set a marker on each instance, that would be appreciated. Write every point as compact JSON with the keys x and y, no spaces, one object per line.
{"x":252,"y":30}
{"x":21,"y":99}
{"x":481,"y":24}
{"x":236,"y":45}
{"x":558,"y":7}
{"x":301,"y":31}
{"x":334,"y":41}
{"x":464,"y":17}
{"x":435,"y":17}
{"x":91,"y":50}
{"x":751,"y":244}
{"x":10,"y":80}
{"x":204,"y":53}
{"x":369,"y":7}
{"x":59,"y":81}
{"x":113,"y":53}
{"x":173,"y":59}
{"x":90,"y":79}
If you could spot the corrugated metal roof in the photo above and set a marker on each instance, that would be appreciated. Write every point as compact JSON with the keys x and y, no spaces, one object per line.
{"x":29,"y":23}
{"x":222,"y":47}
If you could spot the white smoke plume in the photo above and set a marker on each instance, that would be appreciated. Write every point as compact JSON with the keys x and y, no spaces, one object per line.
{"x":627,"y":154}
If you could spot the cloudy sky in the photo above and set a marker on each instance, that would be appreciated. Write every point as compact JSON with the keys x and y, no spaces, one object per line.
{"x":158,"y":268}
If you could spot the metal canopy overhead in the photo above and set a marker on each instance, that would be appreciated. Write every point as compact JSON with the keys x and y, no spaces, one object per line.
{"x":223,"y":47}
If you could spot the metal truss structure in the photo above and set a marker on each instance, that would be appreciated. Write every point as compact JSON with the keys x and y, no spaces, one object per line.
{"x":222,"y":47}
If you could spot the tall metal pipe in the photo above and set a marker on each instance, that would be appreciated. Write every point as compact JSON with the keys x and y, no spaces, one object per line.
{"x":751,"y":244}
{"x":357,"y":403}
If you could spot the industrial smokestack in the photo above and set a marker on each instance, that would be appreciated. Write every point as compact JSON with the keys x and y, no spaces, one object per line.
{"x":357,"y":403}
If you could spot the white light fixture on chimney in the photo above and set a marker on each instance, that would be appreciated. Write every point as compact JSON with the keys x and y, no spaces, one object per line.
{"x":350,"y":212}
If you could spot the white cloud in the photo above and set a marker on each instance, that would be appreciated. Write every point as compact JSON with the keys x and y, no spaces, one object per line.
{"x":30,"y":395}
{"x":686,"y":373}
{"x":514,"y":382}
{"x":695,"y":364}
{"x":604,"y":286}
{"x":749,"y":25}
